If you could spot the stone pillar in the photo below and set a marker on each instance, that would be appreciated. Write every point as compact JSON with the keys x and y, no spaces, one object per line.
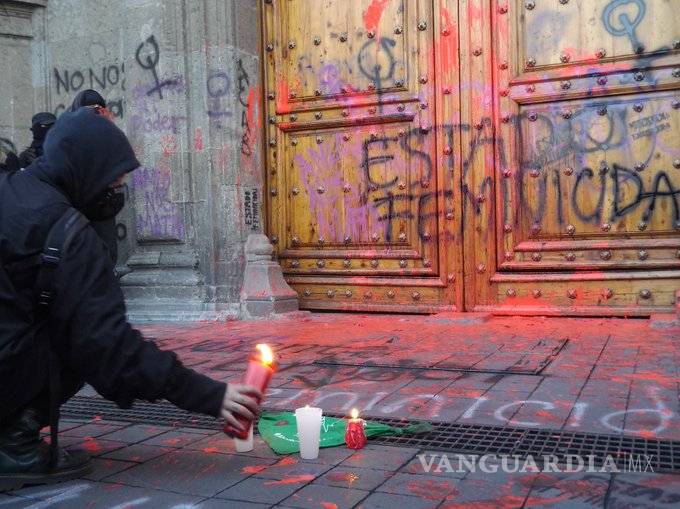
{"x":199,"y":200}
{"x":22,"y":60}
{"x":264,"y":290}
{"x":166,"y":279}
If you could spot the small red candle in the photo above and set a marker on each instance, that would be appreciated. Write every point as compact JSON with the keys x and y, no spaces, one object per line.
{"x":260,"y":370}
{"x":355,"y":438}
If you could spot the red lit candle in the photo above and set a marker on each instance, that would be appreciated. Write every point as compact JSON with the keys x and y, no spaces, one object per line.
{"x":260,"y":370}
{"x":355,"y":438}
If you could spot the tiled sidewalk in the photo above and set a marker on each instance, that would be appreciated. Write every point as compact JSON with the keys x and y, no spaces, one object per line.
{"x":611,"y":376}
{"x":154,"y":466}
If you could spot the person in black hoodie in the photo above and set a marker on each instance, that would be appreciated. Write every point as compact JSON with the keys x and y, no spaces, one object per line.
{"x":85,"y":155}
{"x":105,"y":228}
{"x":41,"y":123}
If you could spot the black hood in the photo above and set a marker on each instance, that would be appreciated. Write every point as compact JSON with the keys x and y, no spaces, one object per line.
{"x":83,"y":154}
{"x":44,"y":119}
{"x":87,"y":98}
{"x":40,"y":124}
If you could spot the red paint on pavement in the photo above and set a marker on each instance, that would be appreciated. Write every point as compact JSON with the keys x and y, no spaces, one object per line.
{"x":432,"y":490}
{"x":504,"y":502}
{"x":90,"y":445}
{"x":288,"y":460}
{"x":329,"y":505}
{"x":339,"y":476}
{"x":291,"y":480}
{"x":254,"y":469}
{"x":609,"y":359}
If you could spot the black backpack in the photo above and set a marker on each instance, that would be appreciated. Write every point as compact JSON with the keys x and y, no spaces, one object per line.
{"x":21,"y":333}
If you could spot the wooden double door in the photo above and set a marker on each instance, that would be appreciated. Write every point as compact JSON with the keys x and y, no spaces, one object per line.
{"x":484,"y":155}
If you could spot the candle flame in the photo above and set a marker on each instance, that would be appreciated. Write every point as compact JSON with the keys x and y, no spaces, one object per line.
{"x":354,"y":413}
{"x":266,"y":354}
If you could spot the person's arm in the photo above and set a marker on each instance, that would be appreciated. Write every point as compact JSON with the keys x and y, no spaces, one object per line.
{"x":100,"y":345}
{"x":26,"y":157}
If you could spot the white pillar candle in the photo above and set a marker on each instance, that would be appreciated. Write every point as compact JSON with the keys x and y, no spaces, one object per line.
{"x":309,"y":431}
{"x":247,"y":444}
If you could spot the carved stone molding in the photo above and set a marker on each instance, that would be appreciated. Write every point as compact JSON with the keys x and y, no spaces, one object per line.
{"x":23,"y":3}
{"x":15,"y":17}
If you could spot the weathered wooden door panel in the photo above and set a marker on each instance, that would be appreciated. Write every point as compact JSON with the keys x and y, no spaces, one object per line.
{"x":358,"y":200}
{"x":334,"y":48}
{"x":588,"y":32}
{"x":596,"y":190}
{"x":588,"y":164}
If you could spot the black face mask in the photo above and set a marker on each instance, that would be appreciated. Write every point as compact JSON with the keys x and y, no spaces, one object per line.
{"x":40,"y":131}
{"x":106,"y":206}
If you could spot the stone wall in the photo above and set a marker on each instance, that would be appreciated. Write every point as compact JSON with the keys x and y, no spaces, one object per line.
{"x":182,"y":78}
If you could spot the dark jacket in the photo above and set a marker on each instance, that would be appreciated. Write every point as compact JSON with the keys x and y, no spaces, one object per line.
{"x":41,"y":123}
{"x":84,"y":153}
{"x":105,"y":229}
{"x":30,"y":153}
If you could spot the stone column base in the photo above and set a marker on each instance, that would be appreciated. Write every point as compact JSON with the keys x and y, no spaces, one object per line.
{"x":265,"y":291}
{"x":167,"y":286}
{"x":140,"y":311}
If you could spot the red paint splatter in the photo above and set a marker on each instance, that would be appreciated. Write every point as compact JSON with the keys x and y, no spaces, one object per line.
{"x":339,"y":476}
{"x":291,"y":480}
{"x":373,"y":14}
{"x":91,"y":446}
{"x":198,"y":139}
{"x":168,"y":145}
{"x":282,"y":93}
{"x":504,"y":502}
{"x":432,"y":490}
{"x":253,"y":469}
{"x":447,"y":43}
{"x":288,"y":460}
{"x":252,"y":104}
{"x":211,"y":450}
{"x":329,"y":505}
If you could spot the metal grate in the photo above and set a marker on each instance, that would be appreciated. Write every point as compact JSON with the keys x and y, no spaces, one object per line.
{"x":663,"y":455}
{"x":623,"y":451}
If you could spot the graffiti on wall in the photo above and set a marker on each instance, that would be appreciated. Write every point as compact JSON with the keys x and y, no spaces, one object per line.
{"x":104,"y":78}
{"x":156,"y":216}
{"x":252,"y":209}
{"x":147,"y":56}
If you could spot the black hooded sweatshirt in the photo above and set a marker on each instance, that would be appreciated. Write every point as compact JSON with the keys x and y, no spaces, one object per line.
{"x":105,"y":229}
{"x":84,"y":153}
{"x":41,"y":124}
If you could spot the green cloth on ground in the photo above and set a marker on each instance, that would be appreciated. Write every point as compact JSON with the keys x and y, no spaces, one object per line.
{"x":279,"y":430}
